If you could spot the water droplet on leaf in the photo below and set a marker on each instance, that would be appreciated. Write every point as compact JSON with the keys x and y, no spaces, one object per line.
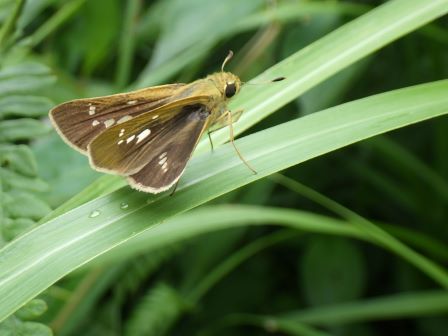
{"x":95,"y":213}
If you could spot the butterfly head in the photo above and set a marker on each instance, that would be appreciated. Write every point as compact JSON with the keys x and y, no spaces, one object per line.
{"x":227,"y":82}
{"x":232,"y":85}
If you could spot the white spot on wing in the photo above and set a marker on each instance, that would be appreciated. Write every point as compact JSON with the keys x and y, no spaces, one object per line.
{"x":121,"y":132}
{"x":120,"y":142}
{"x":123,"y":119}
{"x":132,"y":102}
{"x":165,"y":165}
{"x":143,"y":135}
{"x":161,"y":162}
{"x":162,"y":155}
{"x":132,"y":137}
{"x":109,"y":122}
{"x":155,"y":117}
{"x":92,"y":109}
{"x":95,"y":123}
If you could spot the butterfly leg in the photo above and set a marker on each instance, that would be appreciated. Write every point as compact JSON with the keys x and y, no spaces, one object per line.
{"x":223,"y":120}
{"x":232,"y":140}
{"x":210,"y":139}
{"x":174,"y":189}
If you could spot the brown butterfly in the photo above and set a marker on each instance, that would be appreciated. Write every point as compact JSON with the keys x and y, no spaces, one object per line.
{"x":150,"y":134}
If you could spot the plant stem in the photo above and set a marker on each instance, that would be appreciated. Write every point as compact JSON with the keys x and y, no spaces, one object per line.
{"x":127,"y":43}
{"x":11,"y":22}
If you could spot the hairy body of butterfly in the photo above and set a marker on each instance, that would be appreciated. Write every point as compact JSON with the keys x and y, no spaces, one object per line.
{"x":147,"y":135}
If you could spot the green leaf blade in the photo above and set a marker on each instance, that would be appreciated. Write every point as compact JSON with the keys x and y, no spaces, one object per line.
{"x":33,"y":262}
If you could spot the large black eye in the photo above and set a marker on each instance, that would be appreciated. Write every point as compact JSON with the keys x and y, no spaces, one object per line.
{"x":230,"y":90}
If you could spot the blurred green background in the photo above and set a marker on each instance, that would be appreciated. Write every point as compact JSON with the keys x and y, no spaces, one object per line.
{"x":53,"y":51}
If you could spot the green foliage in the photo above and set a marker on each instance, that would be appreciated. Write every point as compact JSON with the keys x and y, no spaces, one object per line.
{"x":12,"y":326}
{"x":268,"y":254}
{"x":333,"y":271}
{"x":21,"y":104}
{"x":18,"y":168}
{"x":18,"y":324}
{"x":21,"y":208}
{"x":156,"y":312}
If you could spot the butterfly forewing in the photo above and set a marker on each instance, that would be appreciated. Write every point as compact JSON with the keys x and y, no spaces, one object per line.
{"x":80,"y":121}
{"x":173,"y":151}
{"x":126,"y":148}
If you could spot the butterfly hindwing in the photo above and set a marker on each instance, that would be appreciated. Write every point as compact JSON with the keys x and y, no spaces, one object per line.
{"x":173,"y":151}
{"x":126,"y":148}
{"x":80,"y":121}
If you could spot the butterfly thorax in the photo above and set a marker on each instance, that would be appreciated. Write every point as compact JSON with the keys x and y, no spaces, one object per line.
{"x":215,"y":89}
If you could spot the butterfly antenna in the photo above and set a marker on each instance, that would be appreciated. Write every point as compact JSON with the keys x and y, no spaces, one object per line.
{"x":227,"y":59}
{"x":278,"y":79}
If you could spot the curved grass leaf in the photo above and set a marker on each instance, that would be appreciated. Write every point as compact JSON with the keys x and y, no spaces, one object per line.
{"x":221,"y":270}
{"x":392,"y":307}
{"x":36,"y":260}
{"x":294,"y":11}
{"x":398,"y":306}
{"x":322,"y":59}
{"x":308,"y":67}
{"x":218,"y":218}
{"x":268,"y":323}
